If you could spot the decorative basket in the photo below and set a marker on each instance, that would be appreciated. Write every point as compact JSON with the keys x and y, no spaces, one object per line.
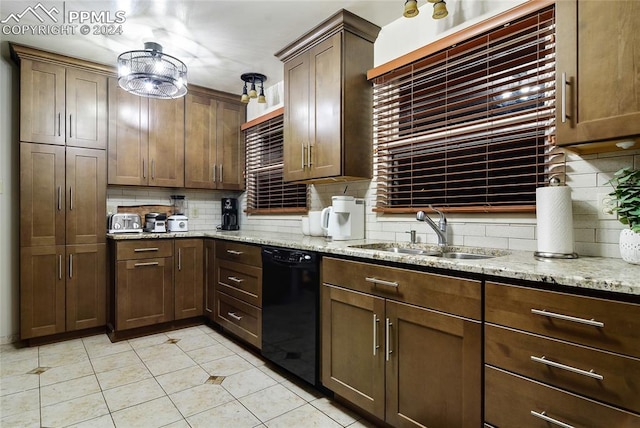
{"x":630,"y":246}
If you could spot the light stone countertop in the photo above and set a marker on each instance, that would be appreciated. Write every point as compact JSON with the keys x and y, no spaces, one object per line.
{"x":596,"y":273}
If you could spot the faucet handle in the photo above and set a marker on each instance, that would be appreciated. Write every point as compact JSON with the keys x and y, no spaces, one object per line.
{"x":443,"y":219}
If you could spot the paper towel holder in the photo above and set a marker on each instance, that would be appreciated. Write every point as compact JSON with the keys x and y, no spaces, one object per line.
{"x":546,"y":256}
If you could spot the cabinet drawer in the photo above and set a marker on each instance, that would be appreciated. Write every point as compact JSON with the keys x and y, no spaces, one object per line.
{"x":240,"y":318}
{"x":553,"y":361}
{"x":444,"y":293}
{"x":240,"y":281}
{"x":601,"y":323}
{"x":144,"y":249}
{"x":239,"y":253}
{"x":505,"y":409}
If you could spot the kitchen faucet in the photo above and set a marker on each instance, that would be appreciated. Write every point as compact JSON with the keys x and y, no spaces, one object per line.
{"x":440,"y":228}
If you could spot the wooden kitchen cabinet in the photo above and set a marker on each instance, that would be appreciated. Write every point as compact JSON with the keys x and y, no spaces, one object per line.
{"x":214,"y":146}
{"x":209,"y":278}
{"x":327,"y":120}
{"x":405,"y":363}
{"x":86,"y":286}
{"x":189,"y":279}
{"x":597,"y":67}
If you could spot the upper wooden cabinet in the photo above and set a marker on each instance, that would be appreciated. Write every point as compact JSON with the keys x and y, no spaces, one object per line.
{"x":61,"y":104}
{"x":328,"y":100}
{"x":597,"y":68}
{"x":146,"y":139}
{"x":214,"y":147}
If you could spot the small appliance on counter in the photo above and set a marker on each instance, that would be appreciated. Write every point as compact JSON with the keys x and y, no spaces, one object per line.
{"x":344,"y":219}
{"x":178,"y":223}
{"x":229,"y":214}
{"x":124,"y":223}
{"x":179,"y":204}
{"x":155,"y":222}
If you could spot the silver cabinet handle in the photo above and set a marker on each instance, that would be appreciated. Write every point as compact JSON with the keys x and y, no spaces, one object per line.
{"x":545,"y":313}
{"x":221,"y":174}
{"x":59,"y":266}
{"x":563,"y":95}
{"x":70,"y":198}
{"x":70,"y":126}
{"x":388,"y":350}
{"x":234,"y":279}
{"x":375,"y":334}
{"x":179,"y":258}
{"x":215,"y":173}
{"x":590,"y":373}
{"x":70,"y":265}
{"x":143,"y":250}
{"x":153,"y":169}
{"x":544,"y":417}
{"x":144,"y":169}
{"x":234,"y":252}
{"x":59,"y":198}
{"x":234,"y":316}
{"x":59,"y":125}
{"x":147,"y":264}
{"x":377,"y":281}
{"x":302,"y":160}
{"x":309,"y":163}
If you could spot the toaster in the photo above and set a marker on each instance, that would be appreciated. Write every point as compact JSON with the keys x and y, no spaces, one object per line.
{"x":124,"y":223}
{"x":155,"y":222}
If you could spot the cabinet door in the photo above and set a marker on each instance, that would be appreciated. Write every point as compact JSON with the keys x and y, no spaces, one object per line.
{"x":42,"y":291}
{"x":188,"y":283}
{"x":166,"y":142}
{"x":434,"y":368}
{"x":200,"y":142}
{"x":144,"y":292}
{"x":86,"y":286}
{"x":86,"y":117}
{"x":128,"y":138}
{"x":42,"y":195}
{"x":230,"y":145}
{"x":42,"y":102}
{"x":353,"y":347}
{"x":325,"y":108}
{"x":598,"y":54}
{"x":209,"y":278}
{"x":86,"y":186}
{"x":296,"y":118}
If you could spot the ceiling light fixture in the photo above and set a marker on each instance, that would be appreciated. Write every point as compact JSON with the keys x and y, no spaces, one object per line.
{"x":151,"y":73}
{"x":253,"y":93}
{"x":410,"y":8}
{"x":439,"y":9}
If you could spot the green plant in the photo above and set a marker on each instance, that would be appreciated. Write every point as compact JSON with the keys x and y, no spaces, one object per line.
{"x":626,"y":197}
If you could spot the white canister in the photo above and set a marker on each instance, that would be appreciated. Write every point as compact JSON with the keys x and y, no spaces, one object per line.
{"x":305,"y":225}
{"x":315,"y":223}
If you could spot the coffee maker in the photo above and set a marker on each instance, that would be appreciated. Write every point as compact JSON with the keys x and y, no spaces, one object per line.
{"x":344,"y":219}
{"x":229,"y":214}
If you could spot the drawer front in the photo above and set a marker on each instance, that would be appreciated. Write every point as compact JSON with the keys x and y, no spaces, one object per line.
{"x":240,"y":318}
{"x":444,"y":293}
{"x":601,"y":323}
{"x":535,"y":401}
{"x":612,"y":378}
{"x":240,"y":281}
{"x":144,"y":249}
{"x":239,"y":253}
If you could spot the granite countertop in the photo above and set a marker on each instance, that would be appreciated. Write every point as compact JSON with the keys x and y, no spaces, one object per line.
{"x":597,"y":273}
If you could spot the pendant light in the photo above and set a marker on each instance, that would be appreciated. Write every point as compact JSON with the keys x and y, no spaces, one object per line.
{"x":253,"y":93}
{"x":439,"y":9}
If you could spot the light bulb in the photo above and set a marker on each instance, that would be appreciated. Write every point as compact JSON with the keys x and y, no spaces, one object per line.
{"x":253,"y":93}
{"x":410,"y":9}
{"x":440,"y":10}
{"x":261,"y":97}
{"x":244,"y":98}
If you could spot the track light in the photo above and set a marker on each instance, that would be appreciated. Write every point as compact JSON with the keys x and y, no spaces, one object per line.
{"x":410,"y":9}
{"x":253,"y":93}
{"x":439,"y":9}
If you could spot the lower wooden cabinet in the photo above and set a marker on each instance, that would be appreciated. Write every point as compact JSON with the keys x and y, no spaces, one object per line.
{"x":86,"y":286}
{"x":188,"y":279}
{"x":209,"y":278}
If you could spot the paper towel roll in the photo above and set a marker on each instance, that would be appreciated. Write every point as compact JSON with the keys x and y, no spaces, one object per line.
{"x":555,"y":220}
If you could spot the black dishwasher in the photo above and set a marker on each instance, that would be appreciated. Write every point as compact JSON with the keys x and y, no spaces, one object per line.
{"x":290,"y":306}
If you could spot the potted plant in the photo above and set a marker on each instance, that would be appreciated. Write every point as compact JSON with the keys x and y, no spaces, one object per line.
{"x":626,"y":197}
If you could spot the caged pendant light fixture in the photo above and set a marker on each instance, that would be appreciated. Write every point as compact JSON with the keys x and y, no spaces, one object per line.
{"x":252,"y":92}
{"x":439,"y":9}
{"x":151,"y":73}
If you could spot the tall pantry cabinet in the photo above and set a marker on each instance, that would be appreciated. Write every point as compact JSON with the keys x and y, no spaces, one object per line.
{"x":63,"y":172}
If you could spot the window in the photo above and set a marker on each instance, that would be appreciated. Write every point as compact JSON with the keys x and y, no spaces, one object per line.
{"x":267,"y":193}
{"x":470,"y":127}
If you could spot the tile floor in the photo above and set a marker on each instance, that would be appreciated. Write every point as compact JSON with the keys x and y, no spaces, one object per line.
{"x":194,"y":377}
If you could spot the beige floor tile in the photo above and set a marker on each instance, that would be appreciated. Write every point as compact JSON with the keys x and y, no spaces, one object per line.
{"x":155,"y":413}
{"x":271,"y":402}
{"x":98,"y":339}
{"x":67,"y":372}
{"x":232,"y":414}
{"x":200,"y":398}
{"x":270,"y":370}
{"x":18,"y":383}
{"x":305,"y":416}
{"x":63,"y":358}
{"x":132,"y":394}
{"x":210,"y":353}
{"x":115,"y":361}
{"x":67,"y":347}
{"x":363,"y":423}
{"x":226,"y":366}
{"x":206,"y":329}
{"x":189,"y":343}
{"x":25,"y":401}
{"x":180,"y":424}
{"x":74,"y":411}
{"x":102,"y":422}
{"x":15,"y":352}
{"x":254,"y":359}
{"x":68,"y":390}
{"x":164,"y":350}
{"x":143,"y":342}
{"x":335,"y":411}
{"x":123,"y":376}
{"x":182,"y":379}
{"x":18,"y":367}
{"x":185,"y":332}
{"x":302,"y":390}
{"x":247,"y":382}
{"x":164,"y":365}
{"x":101,"y":349}
{"x":30,"y":419}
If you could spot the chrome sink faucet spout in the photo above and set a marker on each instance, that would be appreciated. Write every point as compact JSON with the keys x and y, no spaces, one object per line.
{"x":440,"y":228}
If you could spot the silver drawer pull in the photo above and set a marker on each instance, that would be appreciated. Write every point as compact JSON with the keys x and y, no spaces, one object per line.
{"x":590,"y":373}
{"x":544,"y":417}
{"x":142,"y":250}
{"x":382,"y":282}
{"x":375,"y":334}
{"x":234,"y":279}
{"x":234,"y":252}
{"x":234,"y":316}
{"x":388,"y":350}
{"x":147,"y":264}
{"x":546,"y":313}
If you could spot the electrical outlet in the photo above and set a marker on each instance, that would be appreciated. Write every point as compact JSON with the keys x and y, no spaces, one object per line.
{"x":195,"y":212}
{"x":605,"y":205}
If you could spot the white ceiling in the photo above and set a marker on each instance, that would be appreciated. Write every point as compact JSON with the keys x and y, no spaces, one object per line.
{"x":218,"y":40}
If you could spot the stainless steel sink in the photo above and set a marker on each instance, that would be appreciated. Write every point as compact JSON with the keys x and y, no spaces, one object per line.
{"x":413,"y":251}
{"x":466,"y":256}
{"x":458,"y":253}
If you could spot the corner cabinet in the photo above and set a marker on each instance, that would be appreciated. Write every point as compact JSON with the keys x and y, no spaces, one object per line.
{"x":597,"y":68}
{"x":328,"y":101}
{"x":403,"y":345}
